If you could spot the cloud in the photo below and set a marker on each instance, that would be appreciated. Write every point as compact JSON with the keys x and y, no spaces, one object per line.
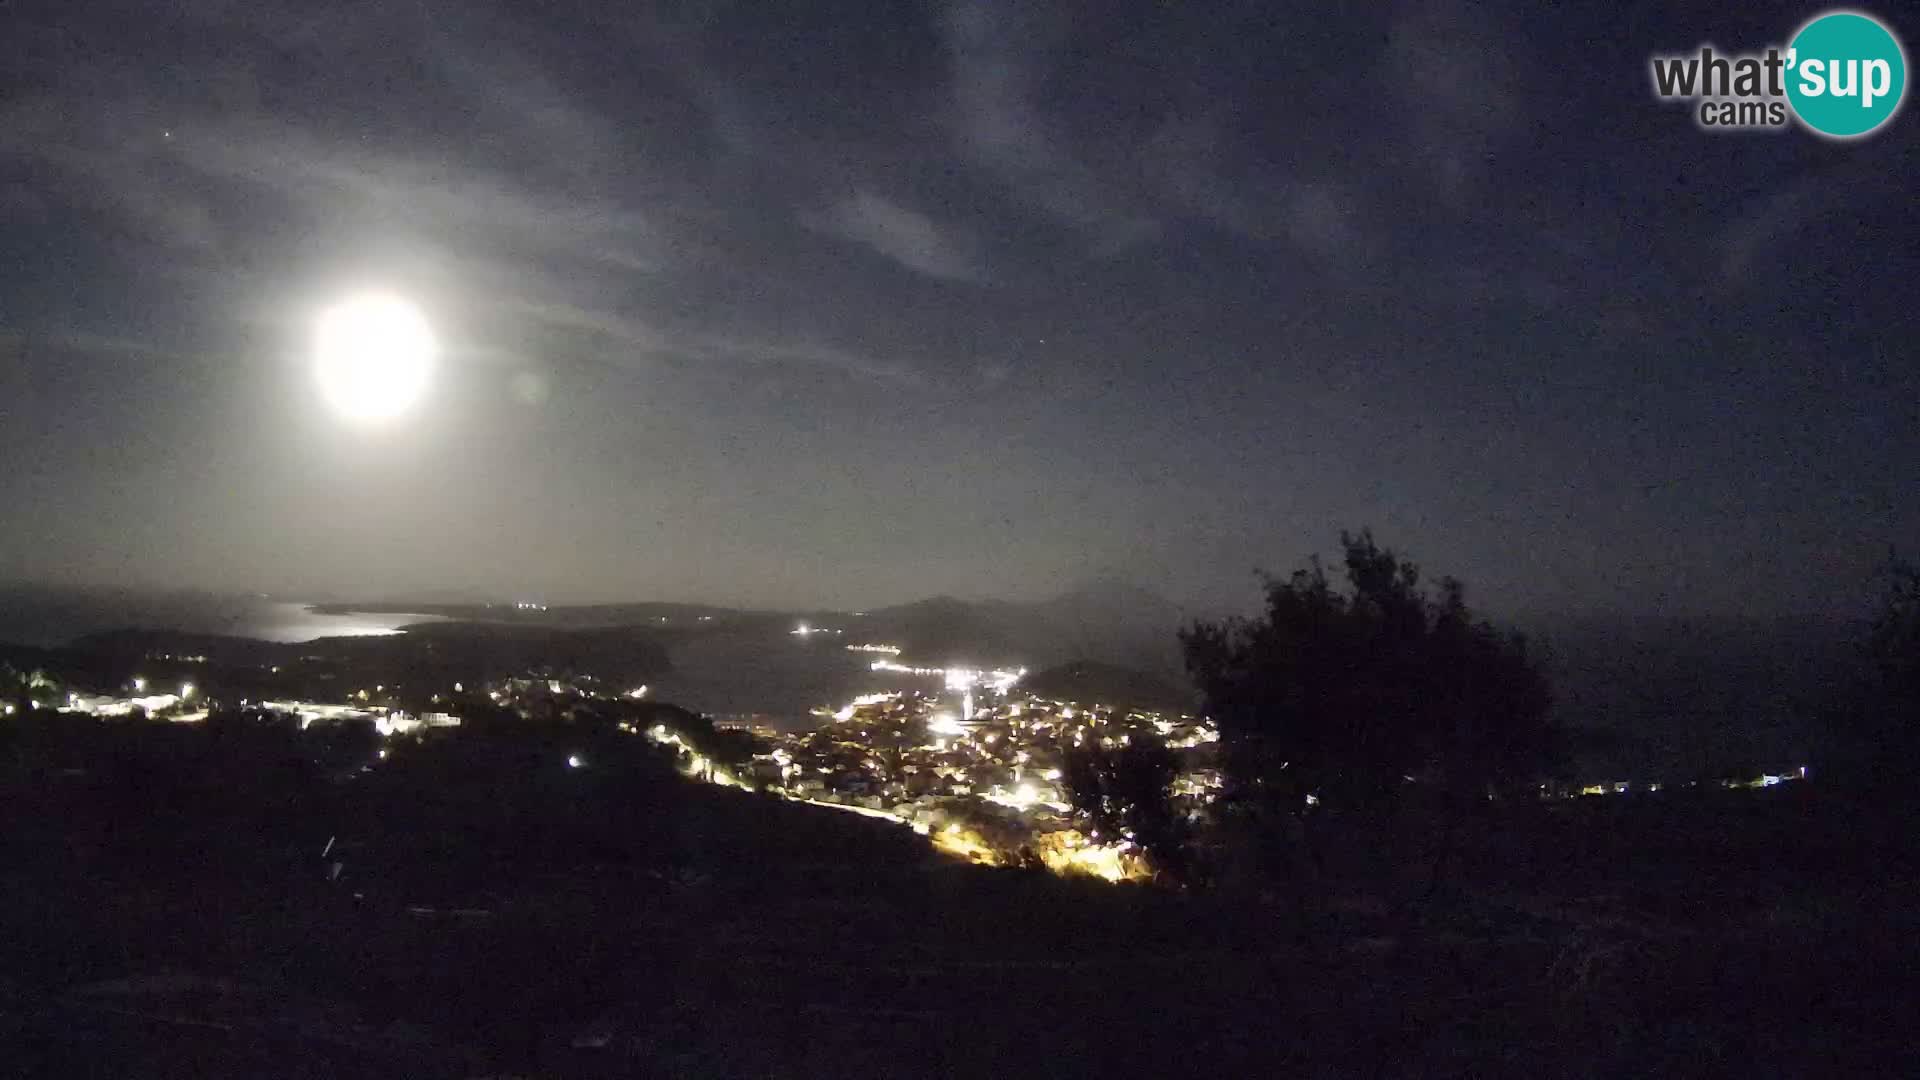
{"x":571,"y":139}
{"x":627,"y":335}
{"x":906,"y":236}
{"x":555,"y":262}
{"x":1323,"y":218}
{"x":105,"y":163}
{"x":1809,"y":220}
{"x":833,"y":358}
{"x":1457,"y":83}
{"x":1320,"y":218}
{"x":995,"y":54}
{"x":83,"y":343}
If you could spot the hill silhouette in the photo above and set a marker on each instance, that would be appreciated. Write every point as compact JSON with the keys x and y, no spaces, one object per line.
{"x":1106,"y":620}
{"x":1091,"y":681}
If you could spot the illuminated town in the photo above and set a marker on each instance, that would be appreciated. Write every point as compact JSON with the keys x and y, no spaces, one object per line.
{"x":976,"y":765}
{"x":966,"y":757}
{"x":960,"y":755}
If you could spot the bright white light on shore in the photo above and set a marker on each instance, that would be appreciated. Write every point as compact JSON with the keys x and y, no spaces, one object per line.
{"x":373,"y":354}
{"x":575,"y":761}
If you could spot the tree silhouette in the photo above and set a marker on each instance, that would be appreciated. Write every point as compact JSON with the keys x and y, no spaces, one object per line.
{"x":24,"y":686}
{"x":1126,"y":792}
{"x":732,"y":748}
{"x":15,"y":684}
{"x":1347,"y":695}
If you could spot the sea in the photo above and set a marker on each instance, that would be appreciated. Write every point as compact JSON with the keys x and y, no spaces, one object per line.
{"x":775,"y":678}
{"x":1676,"y":695}
{"x":49,"y":617}
{"x":766,"y":677}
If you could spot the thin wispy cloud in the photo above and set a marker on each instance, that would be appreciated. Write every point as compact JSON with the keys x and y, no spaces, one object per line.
{"x":1209,"y":240}
{"x":824,"y":357}
{"x":1457,"y":87}
{"x":573,"y":264}
{"x":995,"y":57}
{"x":906,"y":236}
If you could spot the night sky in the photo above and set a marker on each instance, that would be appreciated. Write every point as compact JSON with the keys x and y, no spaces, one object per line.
{"x":857,"y":303}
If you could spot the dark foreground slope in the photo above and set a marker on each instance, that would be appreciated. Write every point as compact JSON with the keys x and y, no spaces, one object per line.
{"x":168,"y":912}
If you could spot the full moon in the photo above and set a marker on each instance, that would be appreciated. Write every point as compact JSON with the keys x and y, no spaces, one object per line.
{"x":373,"y":354}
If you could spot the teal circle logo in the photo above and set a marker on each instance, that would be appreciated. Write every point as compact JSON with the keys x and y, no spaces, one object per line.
{"x":1846,"y":74}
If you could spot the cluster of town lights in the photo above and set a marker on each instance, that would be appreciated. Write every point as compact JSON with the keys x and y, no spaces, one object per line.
{"x":997,"y":767}
{"x":999,"y":680}
{"x":1064,"y":852}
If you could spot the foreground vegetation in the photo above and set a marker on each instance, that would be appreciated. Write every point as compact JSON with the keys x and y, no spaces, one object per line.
{"x":497,"y":911}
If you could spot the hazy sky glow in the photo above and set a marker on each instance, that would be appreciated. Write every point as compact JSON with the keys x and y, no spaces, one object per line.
{"x":984,"y":298}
